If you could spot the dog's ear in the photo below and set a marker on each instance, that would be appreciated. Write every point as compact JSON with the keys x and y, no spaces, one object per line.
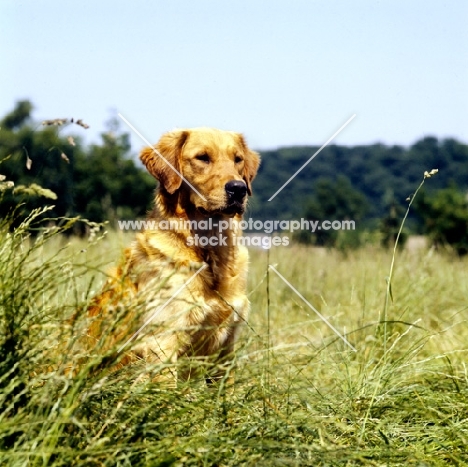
{"x":251,"y":164}
{"x":163,"y":160}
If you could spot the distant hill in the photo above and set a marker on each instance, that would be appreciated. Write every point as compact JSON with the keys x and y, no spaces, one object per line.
{"x":382,"y":173}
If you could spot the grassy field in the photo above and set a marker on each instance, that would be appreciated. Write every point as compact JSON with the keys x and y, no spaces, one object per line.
{"x":302,"y":395}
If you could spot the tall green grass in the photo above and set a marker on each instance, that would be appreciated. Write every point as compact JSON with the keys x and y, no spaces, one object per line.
{"x":301,"y":396}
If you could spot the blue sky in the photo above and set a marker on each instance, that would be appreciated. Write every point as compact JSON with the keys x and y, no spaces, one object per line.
{"x":283,"y":73}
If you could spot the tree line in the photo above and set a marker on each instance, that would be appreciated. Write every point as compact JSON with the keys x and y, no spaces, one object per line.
{"x":369,"y":184}
{"x":98,"y":182}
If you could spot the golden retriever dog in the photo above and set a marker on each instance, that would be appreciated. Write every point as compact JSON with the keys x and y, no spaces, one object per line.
{"x":187,"y":269}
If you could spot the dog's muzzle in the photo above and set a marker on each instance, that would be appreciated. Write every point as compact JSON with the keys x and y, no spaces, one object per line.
{"x":236,"y":191}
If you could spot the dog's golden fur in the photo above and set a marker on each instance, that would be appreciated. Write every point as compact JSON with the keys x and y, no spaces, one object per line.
{"x":187,"y":316}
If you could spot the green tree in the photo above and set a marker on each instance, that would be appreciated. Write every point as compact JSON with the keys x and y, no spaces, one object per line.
{"x":31,"y":155}
{"x":389,"y":225}
{"x":445,"y":217}
{"x":18,"y":116}
{"x":374,"y":170}
{"x":334,"y":200}
{"x":99,"y":182}
{"x":108,"y":183}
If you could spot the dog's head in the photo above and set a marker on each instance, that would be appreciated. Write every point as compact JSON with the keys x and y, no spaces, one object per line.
{"x":214,"y":168}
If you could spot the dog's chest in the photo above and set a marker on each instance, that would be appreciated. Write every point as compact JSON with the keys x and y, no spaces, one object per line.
{"x":215,"y":323}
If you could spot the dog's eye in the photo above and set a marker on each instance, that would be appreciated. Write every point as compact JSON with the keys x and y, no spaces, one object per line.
{"x":238,"y":159}
{"x":203,"y":157}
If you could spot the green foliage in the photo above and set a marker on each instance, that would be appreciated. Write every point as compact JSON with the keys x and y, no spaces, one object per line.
{"x":108,"y":185}
{"x":374,"y":170}
{"x":334,"y":201}
{"x":98,"y":183}
{"x":445,"y":217}
{"x":390,"y":225}
{"x":28,"y":283}
{"x":18,"y":116}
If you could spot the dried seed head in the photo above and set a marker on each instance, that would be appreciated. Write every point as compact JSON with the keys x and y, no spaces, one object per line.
{"x":35,"y":190}
{"x":55,"y":121}
{"x":6,"y":185}
{"x":82,"y":124}
{"x":431,"y":173}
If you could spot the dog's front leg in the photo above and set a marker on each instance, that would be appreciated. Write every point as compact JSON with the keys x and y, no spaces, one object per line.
{"x":223,"y":365}
{"x":160,"y":358}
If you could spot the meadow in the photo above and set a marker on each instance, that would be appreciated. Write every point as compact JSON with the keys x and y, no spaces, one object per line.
{"x":393,"y":392}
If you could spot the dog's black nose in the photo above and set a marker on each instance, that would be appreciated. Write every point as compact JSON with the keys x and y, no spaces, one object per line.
{"x":236,"y":189}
